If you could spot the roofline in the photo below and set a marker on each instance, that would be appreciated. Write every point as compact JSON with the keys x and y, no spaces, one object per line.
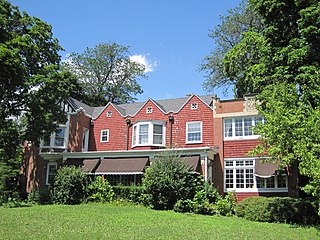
{"x":155,"y":103}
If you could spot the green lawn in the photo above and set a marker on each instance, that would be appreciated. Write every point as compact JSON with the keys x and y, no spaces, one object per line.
{"x":98,"y":221}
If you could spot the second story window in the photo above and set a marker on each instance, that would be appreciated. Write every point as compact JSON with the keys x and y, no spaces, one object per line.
{"x":194,"y":132}
{"x":56,"y":139}
{"x":241,"y":128}
{"x":149,"y":133}
{"x":194,"y":106}
{"x":104,"y":137}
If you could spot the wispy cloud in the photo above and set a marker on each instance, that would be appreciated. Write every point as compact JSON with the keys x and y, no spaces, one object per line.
{"x":142,"y":59}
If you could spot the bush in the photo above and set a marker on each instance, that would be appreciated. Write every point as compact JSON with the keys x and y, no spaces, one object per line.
{"x":39,"y":196}
{"x":100,"y":190}
{"x":133,"y":194}
{"x":70,"y":186}
{"x":169,"y":180}
{"x":184,"y":206}
{"x":279,"y":209}
{"x":201,"y":204}
{"x":211,"y":193}
{"x":226,"y":206}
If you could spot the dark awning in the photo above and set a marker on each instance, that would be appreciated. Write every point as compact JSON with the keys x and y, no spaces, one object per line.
{"x":90,"y":165}
{"x":192,"y":162}
{"x":122,"y":166}
{"x":265,"y":169}
{"x":86,"y":165}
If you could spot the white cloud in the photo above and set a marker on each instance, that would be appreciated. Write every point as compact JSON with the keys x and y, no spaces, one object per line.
{"x":142,"y":59}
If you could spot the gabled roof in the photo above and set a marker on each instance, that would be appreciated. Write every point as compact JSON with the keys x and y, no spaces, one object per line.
{"x":131,"y":109}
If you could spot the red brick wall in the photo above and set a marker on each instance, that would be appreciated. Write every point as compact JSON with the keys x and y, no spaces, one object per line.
{"x":229,"y":106}
{"x":238,"y":148}
{"x":76,"y":126}
{"x":243,"y":195}
{"x":118,"y":128}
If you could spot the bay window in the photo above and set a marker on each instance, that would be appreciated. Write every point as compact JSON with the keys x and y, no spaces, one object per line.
{"x":148,"y":133}
{"x":56,"y":139}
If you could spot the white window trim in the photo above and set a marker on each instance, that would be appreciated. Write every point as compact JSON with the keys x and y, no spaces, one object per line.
{"x":48,"y":167}
{"x":150,"y":134}
{"x":194,"y":142}
{"x":254,"y":188}
{"x":108,"y":134}
{"x":149,"y":110}
{"x":86,"y":142}
{"x":234,"y":137}
{"x":194,"y":106}
{"x":53,"y":137}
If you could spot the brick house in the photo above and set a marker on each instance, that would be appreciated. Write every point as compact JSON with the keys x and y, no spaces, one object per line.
{"x":211,"y":136}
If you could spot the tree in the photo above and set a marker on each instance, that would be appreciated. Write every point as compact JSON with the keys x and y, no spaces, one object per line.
{"x":32,"y":85}
{"x":284,"y":68}
{"x":226,"y":36}
{"x":106,"y":73}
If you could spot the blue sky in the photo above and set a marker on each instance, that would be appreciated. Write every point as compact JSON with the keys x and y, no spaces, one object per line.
{"x":171,"y":35}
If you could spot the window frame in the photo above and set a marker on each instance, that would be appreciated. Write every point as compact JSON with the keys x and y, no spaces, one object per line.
{"x":101,"y":135}
{"x":231,"y":170}
{"x":237,"y":128}
{"x":150,"y":133}
{"x":187,"y":132}
{"x":48,"y":171}
{"x":52,"y":139}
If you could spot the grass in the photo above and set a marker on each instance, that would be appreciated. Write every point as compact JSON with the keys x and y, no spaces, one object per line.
{"x":98,"y":221}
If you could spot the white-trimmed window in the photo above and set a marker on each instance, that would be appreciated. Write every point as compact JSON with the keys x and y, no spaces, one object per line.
{"x":194,"y":132}
{"x":109,"y":114}
{"x":149,"y":110}
{"x":194,"y":106}
{"x":149,"y":133}
{"x":241,"y":128}
{"x":239,"y":176}
{"x":85,"y":140}
{"x":51,"y":172}
{"x":56,"y":139}
{"x":104,"y":136}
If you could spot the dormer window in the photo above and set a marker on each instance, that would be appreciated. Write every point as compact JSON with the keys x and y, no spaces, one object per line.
{"x":109,"y":113}
{"x":148,"y":133}
{"x":149,"y":110}
{"x":194,"y":105}
{"x":58,"y":139}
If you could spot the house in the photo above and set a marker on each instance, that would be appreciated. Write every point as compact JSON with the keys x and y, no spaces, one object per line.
{"x":210,"y":135}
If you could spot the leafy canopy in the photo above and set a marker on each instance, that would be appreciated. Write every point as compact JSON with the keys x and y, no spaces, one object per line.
{"x":106,"y":73}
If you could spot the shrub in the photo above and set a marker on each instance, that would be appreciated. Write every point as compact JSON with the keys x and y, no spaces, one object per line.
{"x":100,"y":190}
{"x":133,"y":194}
{"x":39,"y":196}
{"x":211,"y":193}
{"x":226,"y":206}
{"x":169,"y":180}
{"x":277,"y":209}
{"x":201,"y":204}
{"x":184,"y":206}
{"x":70,"y":186}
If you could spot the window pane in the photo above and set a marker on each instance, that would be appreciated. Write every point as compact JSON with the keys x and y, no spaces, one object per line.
{"x":270,"y":182}
{"x":238,"y":127}
{"x":46,"y":141}
{"x":228,"y":127}
{"x":282,"y":181}
{"x":134,"y":141}
{"x":194,"y":132}
{"x":249,"y":178}
{"x":192,"y":137}
{"x":260,"y":182}
{"x":104,"y":136}
{"x":193,"y":127}
{"x":229,"y":178}
{"x":247,"y":126}
{"x":157,"y":129}
{"x":59,"y":139}
{"x":240,"y":178}
{"x":51,"y":173}
{"x":143,"y":133}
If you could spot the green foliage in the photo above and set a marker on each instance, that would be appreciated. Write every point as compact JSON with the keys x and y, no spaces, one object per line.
{"x":169,"y":180}
{"x":277,"y":209}
{"x":201,"y":204}
{"x":211,"y":193}
{"x":135,"y":194}
{"x":10,"y":158}
{"x":39,"y":196}
{"x":106,"y":73}
{"x":184,"y":206}
{"x":226,"y":206}
{"x":100,"y":191}
{"x":70,"y":186}
{"x":227,"y":35}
